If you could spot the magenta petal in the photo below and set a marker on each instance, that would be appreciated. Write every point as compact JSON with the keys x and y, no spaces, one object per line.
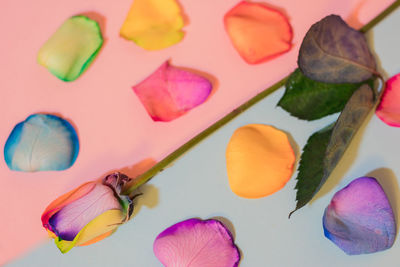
{"x":389,"y":107}
{"x":170,"y":92}
{"x":197,"y":243}
{"x":359,"y":219}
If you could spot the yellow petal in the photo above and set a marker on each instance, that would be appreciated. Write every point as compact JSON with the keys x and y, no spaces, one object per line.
{"x":153,"y":24}
{"x":259,"y":160}
{"x":51,"y":234}
{"x":97,"y":239}
{"x":99,"y":227}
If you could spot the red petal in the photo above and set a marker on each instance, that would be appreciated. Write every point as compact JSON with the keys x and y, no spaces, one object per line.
{"x":389,"y":107}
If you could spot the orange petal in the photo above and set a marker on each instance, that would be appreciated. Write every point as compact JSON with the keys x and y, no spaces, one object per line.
{"x":259,"y":160}
{"x":258,"y":32}
{"x":153,"y":24}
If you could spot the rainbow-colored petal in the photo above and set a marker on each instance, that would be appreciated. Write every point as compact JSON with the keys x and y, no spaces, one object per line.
{"x":72,"y":218}
{"x":100,"y":226}
{"x":170,"y":92}
{"x":62,"y":201}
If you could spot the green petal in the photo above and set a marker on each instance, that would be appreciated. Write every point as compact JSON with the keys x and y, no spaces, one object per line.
{"x":72,"y":48}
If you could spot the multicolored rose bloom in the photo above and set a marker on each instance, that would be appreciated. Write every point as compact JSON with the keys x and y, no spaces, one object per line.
{"x":88,"y":213}
{"x":359,"y":219}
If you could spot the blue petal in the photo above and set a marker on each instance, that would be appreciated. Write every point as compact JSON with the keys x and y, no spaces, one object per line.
{"x":41,"y":143}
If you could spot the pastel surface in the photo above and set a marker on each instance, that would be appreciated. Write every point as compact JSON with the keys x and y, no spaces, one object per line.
{"x":41,"y":143}
{"x":389,"y":107}
{"x":71,"y":49}
{"x":359,"y":219}
{"x":259,"y":160}
{"x":153,"y":24}
{"x":258,"y":32}
{"x":88,"y":104}
{"x":197,"y":243}
{"x":170,"y":92}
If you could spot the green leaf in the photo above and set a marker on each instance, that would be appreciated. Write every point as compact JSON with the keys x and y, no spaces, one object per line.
{"x":325,"y":148}
{"x":311,"y":167}
{"x":310,"y":100}
{"x":333,"y":52}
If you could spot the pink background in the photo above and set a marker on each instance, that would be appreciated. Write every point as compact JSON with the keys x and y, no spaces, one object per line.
{"x":114,"y":129}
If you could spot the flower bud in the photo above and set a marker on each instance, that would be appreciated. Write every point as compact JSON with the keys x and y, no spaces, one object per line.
{"x":88,"y":213}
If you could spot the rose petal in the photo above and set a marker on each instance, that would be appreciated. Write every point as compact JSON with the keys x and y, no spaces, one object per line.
{"x":389,"y":107}
{"x":41,"y":143}
{"x":258,"y":32}
{"x":101,"y":227}
{"x":71,"y":219}
{"x":359,"y":219}
{"x":64,"y":200}
{"x":72,"y":48}
{"x":100,"y":237}
{"x":259,"y":160}
{"x":153,"y":24}
{"x":170,"y":92}
{"x":96,"y":230}
{"x":197,"y":243}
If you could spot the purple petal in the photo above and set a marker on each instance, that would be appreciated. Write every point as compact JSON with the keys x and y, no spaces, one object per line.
{"x":73,"y":217}
{"x":170,"y":92}
{"x":359,"y":219}
{"x":197,"y":243}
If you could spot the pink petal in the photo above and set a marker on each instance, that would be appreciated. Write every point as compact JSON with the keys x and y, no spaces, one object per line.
{"x":64,"y":200}
{"x":389,"y":107}
{"x":170,"y":92}
{"x":197,"y":243}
